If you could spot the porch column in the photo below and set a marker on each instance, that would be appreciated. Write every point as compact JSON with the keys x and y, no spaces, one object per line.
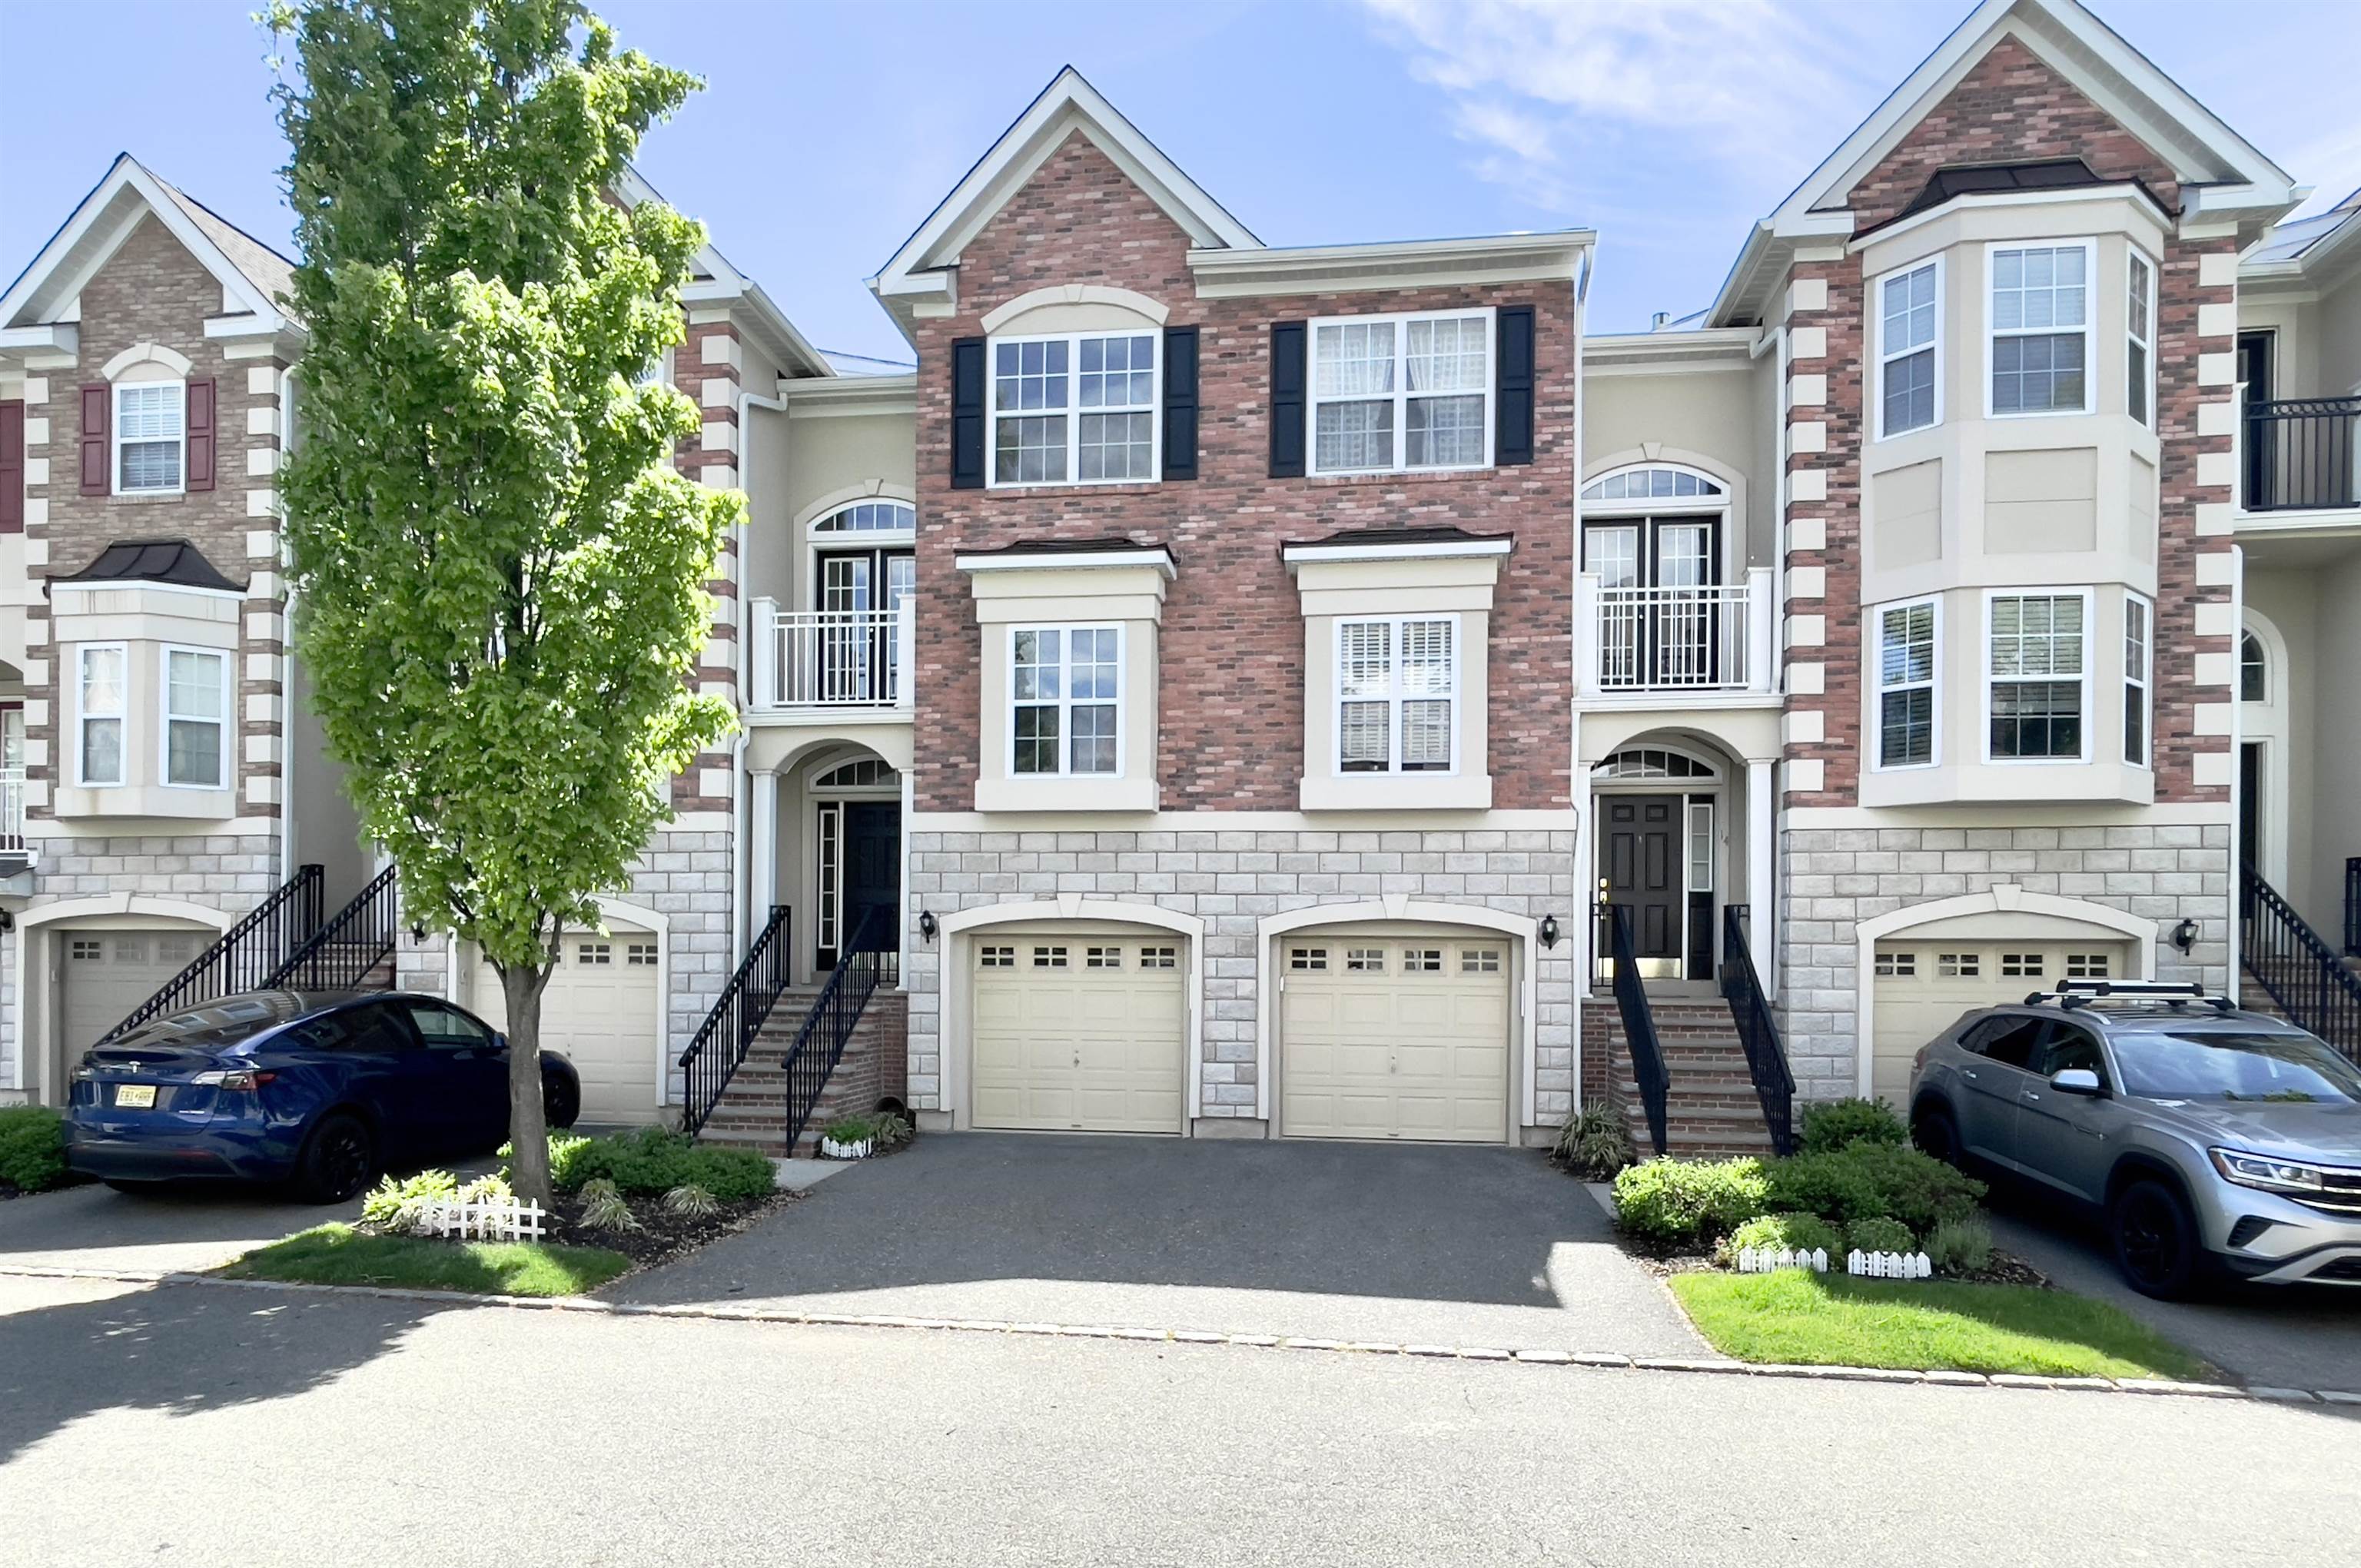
{"x":1761,"y":895}
{"x":763,"y":845}
{"x":904,"y":917}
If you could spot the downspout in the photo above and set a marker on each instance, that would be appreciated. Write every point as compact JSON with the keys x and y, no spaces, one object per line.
{"x":1577,"y":796}
{"x":288,"y":844}
{"x":740,"y":883}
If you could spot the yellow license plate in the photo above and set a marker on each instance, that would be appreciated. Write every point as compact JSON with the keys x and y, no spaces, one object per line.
{"x":134,"y":1096}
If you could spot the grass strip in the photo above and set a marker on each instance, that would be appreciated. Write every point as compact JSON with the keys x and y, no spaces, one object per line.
{"x":339,"y":1254}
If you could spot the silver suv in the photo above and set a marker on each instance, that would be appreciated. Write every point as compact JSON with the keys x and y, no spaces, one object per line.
{"x":2211,"y":1141}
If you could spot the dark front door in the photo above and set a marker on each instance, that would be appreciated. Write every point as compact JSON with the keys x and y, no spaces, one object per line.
{"x":2257,"y":376}
{"x":2250,"y":805}
{"x":1640,"y":866}
{"x":872,"y":870}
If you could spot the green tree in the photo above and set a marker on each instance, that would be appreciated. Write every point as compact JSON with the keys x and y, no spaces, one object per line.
{"x":499,"y":582}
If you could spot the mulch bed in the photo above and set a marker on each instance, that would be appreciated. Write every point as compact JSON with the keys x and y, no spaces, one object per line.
{"x":662,"y":1237}
{"x":1663,"y":1262}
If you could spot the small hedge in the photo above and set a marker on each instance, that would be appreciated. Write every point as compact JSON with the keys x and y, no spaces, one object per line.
{"x":1677,"y":1201}
{"x":1683,"y":1201}
{"x":32,"y":1148}
{"x":1878,"y":1234}
{"x":655,"y":1160}
{"x":1790,"y":1233}
{"x":1832,"y":1124}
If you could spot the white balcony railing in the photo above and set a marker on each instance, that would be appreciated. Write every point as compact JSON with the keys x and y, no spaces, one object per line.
{"x":12,"y":811}
{"x":1676,"y":640}
{"x":822,"y":659}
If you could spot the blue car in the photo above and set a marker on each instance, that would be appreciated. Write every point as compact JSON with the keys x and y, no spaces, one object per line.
{"x":320,"y":1091}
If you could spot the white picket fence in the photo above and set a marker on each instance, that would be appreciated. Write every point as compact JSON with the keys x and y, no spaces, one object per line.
{"x":1766,"y":1260}
{"x":1889,"y":1265}
{"x":483,"y":1219}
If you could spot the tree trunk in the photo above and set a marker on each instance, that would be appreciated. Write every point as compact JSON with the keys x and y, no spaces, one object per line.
{"x":528,"y":1131}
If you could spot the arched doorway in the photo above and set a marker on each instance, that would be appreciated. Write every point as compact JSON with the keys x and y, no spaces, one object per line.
{"x":1662,"y":824}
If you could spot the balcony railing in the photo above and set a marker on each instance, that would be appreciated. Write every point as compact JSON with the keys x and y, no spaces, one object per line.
{"x":829,"y":660}
{"x":2298,"y":454}
{"x":1706,"y":639}
{"x":12,"y":815}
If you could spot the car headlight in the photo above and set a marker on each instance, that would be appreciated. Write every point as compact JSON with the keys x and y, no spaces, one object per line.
{"x":2270,"y":1175}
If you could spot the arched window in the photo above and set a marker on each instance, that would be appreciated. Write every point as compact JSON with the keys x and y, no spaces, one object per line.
{"x":870,"y":517}
{"x":1651,"y":483}
{"x":1654,"y":762}
{"x":2253,"y":670}
{"x":866,"y":772}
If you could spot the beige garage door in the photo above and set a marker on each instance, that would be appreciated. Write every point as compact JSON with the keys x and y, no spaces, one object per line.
{"x":1922,"y":987}
{"x":107,"y":973}
{"x":1078,"y":1033}
{"x":1394,"y":1037}
{"x":599,"y":1013}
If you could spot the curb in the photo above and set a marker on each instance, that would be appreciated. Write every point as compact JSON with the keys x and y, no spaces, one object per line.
{"x":2153,"y":1388}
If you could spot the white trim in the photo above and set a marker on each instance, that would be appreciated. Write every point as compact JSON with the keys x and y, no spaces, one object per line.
{"x":1887,"y":357}
{"x":122,"y":717}
{"x":2133,"y":260}
{"x":471,"y":963}
{"x":1991,"y":334}
{"x":1064,"y":703}
{"x":149,"y":353}
{"x":1072,"y":411}
{"x":36,"y":1031}
{"x":2087,"y":677}
{"x":1395,"y":699}
{"x":1441,"y":550}
{"x":1472,"y":261}
{"x":1051,"y":559}
{"x":2121,"y":190}
{"x":2264,"y":724}
{"x":2146,"y":679}
{"x":114,"y":394}
{"x":1076,"y":294}
{"x":1873,"y":663}
{"x":2002,"y":896}
{"x":1713,"y":778}
{"x":1401,"y":394}
{"x":165,"y":718}
{"x":836,"y":500}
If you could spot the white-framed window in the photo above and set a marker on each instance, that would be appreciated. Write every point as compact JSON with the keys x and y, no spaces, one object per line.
{"x":2037,"y":684}
{"x":12,"y":738}
{"x":1910,"y":348}
{"x":2139,"y":339}
{"x":2139,"y":664}
{"x":1065,"y":690}
{"x":150,"y":437}
{"x":1398,"y":694}
{"x":2038,"y":327}
{"x":1074,"y":410}
{"x":101,"y":682}
{"x":1400,"y":392}
{"x":1906,"y":716}
{"x":197,"y":717}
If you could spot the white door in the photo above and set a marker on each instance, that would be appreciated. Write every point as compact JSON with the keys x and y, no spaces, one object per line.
{"x":1923,"y":986}
{"x":104,"y":975}
{"x":598,"y":1013}
{"x":1394,"y":1037}
{"x":1078,"y":1033}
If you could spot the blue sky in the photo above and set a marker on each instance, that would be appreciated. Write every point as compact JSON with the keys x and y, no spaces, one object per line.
{"x":828,"y":130}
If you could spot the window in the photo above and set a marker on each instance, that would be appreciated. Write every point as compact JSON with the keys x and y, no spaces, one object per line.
{"x":86,"y":950}
{"x":642,"y":954}
{"x":1078,"y":409}
{"x":99,"y":694}
{"x":2138,"y":653}
{"x":1048,"y":958}
{"x":1396,"y":393}
{"x":1102,"y":958}
{"x":1908,"y":304}
{"x":2020,"y":966}
{"x":1479,"y":960}
{"x":1159,"y":958}
{"x":1065,"y":687}
{"x":1309,"y":960}
{"x":2068,"y":1049}
{"x":1649,"y":484}
{"x":2040,"y":328}
{"x":871,"y":517}
{"x":197,"y":717}
{"x":440,"y":1025}
{"x":12,"y":737}
{"x":1422,"y":961}
{"x":1897,"y":966}
{"x":2086,"y":966}
{"x":2007,"y":1040}
{"x":2253,"y":670}
{"x":1396,"y":687}
{"x":995,"y":958}
{"x":596,"y":954}
{"x":1958,"y":966}
{"x":149,"y":437}
{"x":2139,"y":332}
{"x":2036,"y":681}
{"x":1700,"y":837}
{"x":1905,"y":684}
{"x":1365,"y":960}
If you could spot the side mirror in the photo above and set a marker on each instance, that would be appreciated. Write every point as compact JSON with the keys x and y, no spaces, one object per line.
{"x":2077,"y":1080}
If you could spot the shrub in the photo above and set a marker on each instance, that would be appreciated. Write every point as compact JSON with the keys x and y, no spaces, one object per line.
{"x":32,"y":1147}
{"x":1685,"y":1200}
{"x":1868,"y":1181}
{"x":1879,"y":1234}
{"x":401,"y":1205}
{"x":604,"y":1209}
{"x":1834,"y":1187}
{"x":1960,"y":1246}
{"x":1594,"y":1144}
{"x":852,"y":1130}
{"x":1833,"y":1125}
{"x":893,"y":1130}
{"x":485,"y":1188}
{"x":691,"y":1201}
{"x":1771,"y":1233}
{"x":655,"y":1160}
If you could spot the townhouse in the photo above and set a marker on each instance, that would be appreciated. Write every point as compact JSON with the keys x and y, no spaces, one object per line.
{"x":1241,"y":690}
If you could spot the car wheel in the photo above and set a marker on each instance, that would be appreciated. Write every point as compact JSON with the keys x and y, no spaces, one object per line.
{"x":1935,"y":1134}
{"x":338,"y":1160}
{"x":561,"y":1099}
{"x":2155,"y":1238}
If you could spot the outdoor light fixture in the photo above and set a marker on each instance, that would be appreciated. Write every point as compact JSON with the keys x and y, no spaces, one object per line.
{"x":2184,"y":936}
{"x":1549,"y":930}
{"x":926,"y":924}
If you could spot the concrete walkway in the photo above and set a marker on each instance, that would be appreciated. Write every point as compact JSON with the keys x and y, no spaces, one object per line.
{"x":1405,"y":1244}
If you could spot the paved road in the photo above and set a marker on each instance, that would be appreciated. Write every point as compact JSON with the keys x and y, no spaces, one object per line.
{"x":1404,"y":1244}
{"x":193,"y":1227}
{"x":388,"y":1433}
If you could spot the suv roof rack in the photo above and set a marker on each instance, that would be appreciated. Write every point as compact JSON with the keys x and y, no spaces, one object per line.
{"x":2176,"y":995}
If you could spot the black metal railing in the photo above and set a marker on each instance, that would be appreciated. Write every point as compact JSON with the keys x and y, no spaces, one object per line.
{"x":2286,"y":957}
{"x":2353,"y":906}
{"x":819,"y":1043}
{"x":1648,"y":1070}
{"x":718,"y":1049}
{"x":343,"y":953}
{"x":243,"y":957}
{"x":2300,"y":453}
{"x":1742,"y":986}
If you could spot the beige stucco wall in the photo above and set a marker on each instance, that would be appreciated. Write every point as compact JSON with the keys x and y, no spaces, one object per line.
{"x":1710,"y":420}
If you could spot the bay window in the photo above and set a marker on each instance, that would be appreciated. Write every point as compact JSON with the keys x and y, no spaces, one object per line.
{"x":1079,"y":409}
{"x":2039,"y":328}
{"x":1907,"y":653}
{"x":1908,"y":352}
{"x":2139,"y":334}
{"x":1397,"y":696}
{"x":197,"y":717}
{"x":1065,"y":698}
{"x":2037,"y":676}
{"x":1403,"y":392}
{"x":2139,"y":654}
{"x":99,"y":693}
{"x":150,"y":437}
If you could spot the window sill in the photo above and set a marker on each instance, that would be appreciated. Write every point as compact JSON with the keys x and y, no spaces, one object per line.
{"x":175,"y":802}
{"x":159,"y":498}
{"x":1403,"y":477}
{"x":1397,"y":791}
{"x":1078,"y":488}
{"x":1066,"y":795}
{"x":1948,"y":784}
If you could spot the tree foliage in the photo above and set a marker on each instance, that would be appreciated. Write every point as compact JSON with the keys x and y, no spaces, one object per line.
{"x":499,"y":584}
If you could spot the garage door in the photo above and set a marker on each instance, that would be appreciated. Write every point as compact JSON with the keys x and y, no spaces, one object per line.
{"x":1922,"y":987}
{"x":108,"y":973}
{"x":599,"y":1013}
{"x":1078,"y":1033}
{"x":1383,"y":1037}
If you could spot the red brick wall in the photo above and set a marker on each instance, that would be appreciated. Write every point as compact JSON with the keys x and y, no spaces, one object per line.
{"x":1231,"y":649}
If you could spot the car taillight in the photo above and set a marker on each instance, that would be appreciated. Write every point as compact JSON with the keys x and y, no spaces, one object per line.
{"x":1919,"y":1062}
{"x":243,"y":1080}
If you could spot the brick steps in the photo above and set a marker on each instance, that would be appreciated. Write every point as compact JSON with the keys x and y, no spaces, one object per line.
{"x":1710,"y":1106}
{"x":874,"y":1066}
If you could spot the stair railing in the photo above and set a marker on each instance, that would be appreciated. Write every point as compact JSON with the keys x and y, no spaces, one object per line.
{"x":820,"y":1041}
{"x":242,"y":957}
{"x":2287,"y":959}
{"x":718,"y":1047}
{"x":1639,"y":1024}
{"x":1767,"y":1059}
{"x":2353,"y":906}
{"x":356,"y":939}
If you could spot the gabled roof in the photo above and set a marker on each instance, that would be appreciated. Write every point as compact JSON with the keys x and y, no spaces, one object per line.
{"x":2318,"y":251}
{"x":717,"y":281}
{"x":175,"y":562}
{"x":253,"y":276}
{"x":1068,"y":104}
{"x":2219,"y":170}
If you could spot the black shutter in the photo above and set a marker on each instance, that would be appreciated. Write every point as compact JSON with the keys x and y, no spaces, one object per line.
{"x":967,"y":414}
{"x":1288,"y":402}
{"x":1512,"y":409}
{"x":1180,"y":402}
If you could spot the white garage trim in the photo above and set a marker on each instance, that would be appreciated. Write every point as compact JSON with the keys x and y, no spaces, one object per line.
{"x":630,"y":913}
{"x":1524,"y":929}
{"x":957,"y":931}
{"x":33,"y":990}
{"x":2002,"y":897}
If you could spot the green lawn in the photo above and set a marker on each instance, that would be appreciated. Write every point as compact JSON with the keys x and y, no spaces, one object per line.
{"x":1838,"y":1320}
{"x":339,"y":1254}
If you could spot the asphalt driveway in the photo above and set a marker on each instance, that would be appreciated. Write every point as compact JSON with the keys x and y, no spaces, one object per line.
{"x":189,"y":1227}
{"x":1402,"y":1244}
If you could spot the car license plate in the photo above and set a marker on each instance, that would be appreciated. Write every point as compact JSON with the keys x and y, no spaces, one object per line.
{"x":134,"y":1096}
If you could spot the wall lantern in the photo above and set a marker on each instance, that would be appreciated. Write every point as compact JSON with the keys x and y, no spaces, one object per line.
{"x":1549,"y":930}
{"x":2184,"y":936}
{"x":926,"y":926}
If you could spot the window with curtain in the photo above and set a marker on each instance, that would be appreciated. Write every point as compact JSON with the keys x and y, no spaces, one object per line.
{"x":1073,"y":410}
{"x":1065,"y":694}
{"x":149,"y":431}
{"x":2041,"y":327}
{"x":1397,"y":695}
{"x":1905,"y":684}
{"x":2037,"y":676}
{"x":99,"y":697}
{"x":1908,"y":305}
{"x":197,"y":717}
{"x":1401,"y":392}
